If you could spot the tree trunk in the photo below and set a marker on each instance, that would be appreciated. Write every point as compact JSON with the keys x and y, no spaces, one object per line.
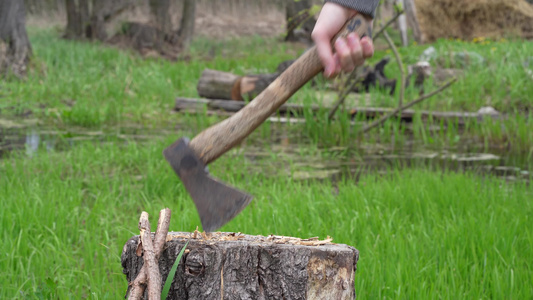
{"x":77,"y":18}
{"x":72,"y":30}
{"x":160,"y":10}
{"x":412,"y":19}
{"x":88,"y":18}
{"x":237,"y":266}
{"x":15,"y":47}
{"x":186,"y":30}
{"x":161,"y":19}
{"x":98,"y":31}
{"x":402,"y":24}
{"x":300,"y":22}
{"x":85,"y":18}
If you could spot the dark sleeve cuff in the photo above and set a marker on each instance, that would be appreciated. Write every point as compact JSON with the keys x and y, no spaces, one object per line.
{"x":367,"y":7}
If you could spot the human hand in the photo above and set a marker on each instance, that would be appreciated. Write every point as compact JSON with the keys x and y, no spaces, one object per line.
{"x":350,"y":52}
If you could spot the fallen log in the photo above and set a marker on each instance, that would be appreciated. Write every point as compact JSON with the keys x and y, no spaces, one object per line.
{"x":198,"y":104}
{"x":215,"y":84}
{"x":237,"y":266}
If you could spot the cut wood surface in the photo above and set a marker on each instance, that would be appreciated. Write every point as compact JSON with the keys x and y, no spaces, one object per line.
{"x":199,"y":104}
{"x":238,"y":266}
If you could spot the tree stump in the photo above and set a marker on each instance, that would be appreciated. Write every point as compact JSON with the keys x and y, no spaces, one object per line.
{"x":237,"y":266}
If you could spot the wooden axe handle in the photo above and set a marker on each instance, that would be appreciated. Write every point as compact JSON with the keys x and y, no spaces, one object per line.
{"x":221,"y":137}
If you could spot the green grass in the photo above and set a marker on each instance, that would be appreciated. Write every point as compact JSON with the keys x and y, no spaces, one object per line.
{"x":90,"y":85}
{"x":500,"y":80}
{"x":111,"y":86}
{"x":422,"y":234}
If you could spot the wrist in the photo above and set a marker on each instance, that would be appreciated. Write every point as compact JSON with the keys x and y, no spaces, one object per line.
{"x":343,"y":11}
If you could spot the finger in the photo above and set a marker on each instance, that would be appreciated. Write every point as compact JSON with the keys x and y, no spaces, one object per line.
{"x":338,"y":69}
{"x":322,"y":41}
{"x":331,"y":19}
{"x":368,"y":47}
{"x":345,"y":56}
{"x":355,"y":49}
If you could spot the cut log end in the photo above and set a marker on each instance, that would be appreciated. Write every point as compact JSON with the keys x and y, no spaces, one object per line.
{"x":238,"y":266}
{"x":216,"y":84}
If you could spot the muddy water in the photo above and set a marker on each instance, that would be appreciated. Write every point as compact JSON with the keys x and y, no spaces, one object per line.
{"x":334,"y":162}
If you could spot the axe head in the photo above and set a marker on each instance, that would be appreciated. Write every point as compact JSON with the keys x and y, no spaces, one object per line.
{"x":216,"y":202}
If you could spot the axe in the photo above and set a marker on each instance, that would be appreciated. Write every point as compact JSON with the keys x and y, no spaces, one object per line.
{"x":216,"y":202}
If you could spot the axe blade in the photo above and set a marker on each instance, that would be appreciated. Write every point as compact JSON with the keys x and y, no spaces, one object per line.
{"x":216,"y":202}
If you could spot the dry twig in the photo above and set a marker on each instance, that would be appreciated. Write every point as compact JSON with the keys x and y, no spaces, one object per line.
{"x":139,"y":284}
{"x":154,"y":276}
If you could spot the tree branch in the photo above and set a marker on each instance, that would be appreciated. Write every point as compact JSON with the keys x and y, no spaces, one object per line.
{"x":400,"y":65}
{"x":392,"y":113}
{"x":389,"y":22}
{"x":354,"y":78}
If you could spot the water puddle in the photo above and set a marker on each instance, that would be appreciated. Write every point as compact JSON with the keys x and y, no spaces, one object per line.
{"x":364,"y":160}
{"x":332,"y":163}
{"x":31,"y":140}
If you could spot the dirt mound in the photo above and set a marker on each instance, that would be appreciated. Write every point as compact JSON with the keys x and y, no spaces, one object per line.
{"x":467,"y":19}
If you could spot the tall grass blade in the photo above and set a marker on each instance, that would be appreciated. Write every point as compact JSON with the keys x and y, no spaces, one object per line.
{"x":170,"y":278}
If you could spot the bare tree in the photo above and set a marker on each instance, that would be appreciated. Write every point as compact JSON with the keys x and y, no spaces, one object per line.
{"x":88,"y":18}
{"x":410,"y":12}
{"x":15,"y":47}
{"x":186,"y":30}
{"x":161,"y":15}
{"x":300,"y":20}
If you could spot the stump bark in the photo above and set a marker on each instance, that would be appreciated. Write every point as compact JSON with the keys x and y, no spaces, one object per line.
{"x":237,"y":266}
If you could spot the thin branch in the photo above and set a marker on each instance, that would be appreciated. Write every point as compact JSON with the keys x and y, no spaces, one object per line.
{"x":389,"y":22}
{"x":400,"y":65}
{"x":394,"y":112}
{"x":139,"y":284}
{"x":354,"y":78}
